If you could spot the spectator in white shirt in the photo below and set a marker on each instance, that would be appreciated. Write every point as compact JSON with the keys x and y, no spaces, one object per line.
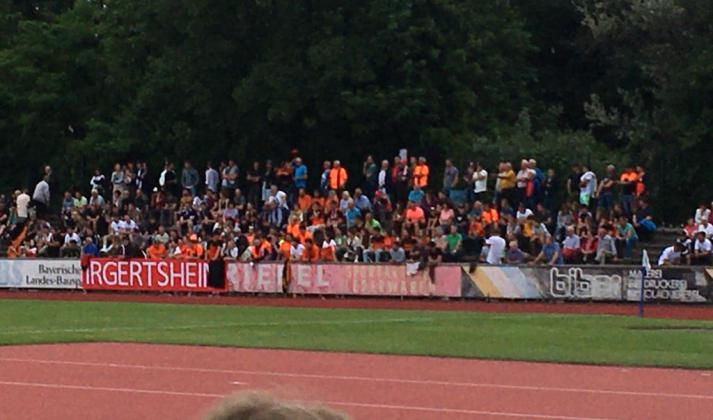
{"x":496,"y":248}
{"x":702,"y":249}
{"x":671,"y":255}
{"x":480,"y":182}
{"x":22,"y":202}
{"x":127,"y":225}
{"x":702,"y":213}
{"x":707,"y":228}
{"x":97,"y":181}
{"x":571,"y":246}
{"x":41,"y":197}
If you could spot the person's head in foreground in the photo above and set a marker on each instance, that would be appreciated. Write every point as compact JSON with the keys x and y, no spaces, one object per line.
{"x":259,"y":406}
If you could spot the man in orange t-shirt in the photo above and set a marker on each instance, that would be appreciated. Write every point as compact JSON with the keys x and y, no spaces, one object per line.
{"x":311,"y":252}
{"x":156,"y":250}
{"x":304,"y":200}
{"x":414,"y":213}
{"x":337,"y":176}
{"x":420,"y":173}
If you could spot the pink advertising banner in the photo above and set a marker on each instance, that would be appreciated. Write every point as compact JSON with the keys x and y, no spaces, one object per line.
{"x":343,"y":279}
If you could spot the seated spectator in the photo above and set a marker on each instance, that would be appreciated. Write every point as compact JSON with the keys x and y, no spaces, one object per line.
{"x":454,"y":245}
{"x":707,"y":228}
{"x":398,"y":253}
{"x":626,"y":238}
{"x":606,"y":247}
{"x":550,"y":253}
{"x":643,"y":221}
{"x":571,"y":246}
{"x":702,"y":250}
{"x":702,"y":213}
{"x":515,"y":255}
{"x":690,"y":228}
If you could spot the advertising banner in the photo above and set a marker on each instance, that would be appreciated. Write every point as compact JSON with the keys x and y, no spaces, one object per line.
{"x":147,"y":275}
{"x":40,"y":274}
{"x":343,"y":279}
{"x":609,"y":283}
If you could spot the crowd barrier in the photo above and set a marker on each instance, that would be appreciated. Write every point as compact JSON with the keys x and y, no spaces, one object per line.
{"x":586,"y":283}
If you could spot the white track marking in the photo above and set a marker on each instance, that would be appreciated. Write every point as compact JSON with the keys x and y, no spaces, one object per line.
{"x":367,"y":379}
{"x":333,"y":403}
{"x":221,"y":325}
{"x":462,"y":411}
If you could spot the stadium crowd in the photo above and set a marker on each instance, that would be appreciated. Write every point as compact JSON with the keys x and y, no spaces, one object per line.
{"x":391,"y":211}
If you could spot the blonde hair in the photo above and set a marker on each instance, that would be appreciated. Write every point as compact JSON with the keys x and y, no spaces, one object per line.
{"x":260,"y":406}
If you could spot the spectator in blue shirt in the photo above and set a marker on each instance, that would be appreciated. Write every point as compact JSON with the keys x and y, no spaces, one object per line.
{"x":416,"y":195}
{"x":351,"y":214}
{"x":551,"y":253}
{"x":90,"y":248}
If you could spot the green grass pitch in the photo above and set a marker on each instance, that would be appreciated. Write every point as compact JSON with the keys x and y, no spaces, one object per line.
{"x":553,"y":338}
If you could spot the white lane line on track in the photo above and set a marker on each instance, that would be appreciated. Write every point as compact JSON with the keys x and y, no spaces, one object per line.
{"x":221,"y":325}
{"x":367,"y":379}
{"x":329,"y":403}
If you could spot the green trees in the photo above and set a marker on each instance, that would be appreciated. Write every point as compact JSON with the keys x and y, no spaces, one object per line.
{"x":86,"y":83}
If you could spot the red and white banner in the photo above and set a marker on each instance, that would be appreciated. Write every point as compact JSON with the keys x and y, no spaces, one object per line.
{"x":343,"y":279}
{"x":147,"y":275}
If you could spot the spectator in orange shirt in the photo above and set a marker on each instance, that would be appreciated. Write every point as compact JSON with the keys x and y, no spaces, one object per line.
{"x":490,"y":215}
{"x":337,"y":177}
{"x":286,"y":247}
{"x":420,"y":173}
{"x":156,"y":250}
{"x":415,"y":214}
{"x":304,"y":200}
{"x":311,"y":252}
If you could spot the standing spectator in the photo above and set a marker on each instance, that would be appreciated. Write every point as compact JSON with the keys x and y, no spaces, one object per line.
{"x":420,"y":173}
{"x":230,"y":178}
{"x":268,"y":179}
{"x":212,"y":178}
{"x":702,"y":213}
{"x":549,"y":191}
{"x":253,"y":179}
{"x":22,"y":203}
{"x":496,"y":247}
{"x":573,"y":181}
{"x":189,"y":178}
{"x":605,"y":190}
{"x":171,"y":180}
{"x":142,"y":171}
{"x":400,"y":177}
{"x":640,"y":189}
{"x":41,"y":197}
{"x":337,"y":177}
{"x":627,"y":180}
{"x":117,"y":179}
{"x":450,"y":177}
{"x":383,"y":179}
{"x":480,"y":182}
{"x":524,"y":176}
{"x":506,"y":184}
{"x":299,"y":176}
{"x":587,"y":186}
{"x":324,"y":178}
{"x":98,"y":180}
{"x":370,"y":172}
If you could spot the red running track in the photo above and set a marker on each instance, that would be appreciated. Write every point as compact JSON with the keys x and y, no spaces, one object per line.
{"x":140,"y":381}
